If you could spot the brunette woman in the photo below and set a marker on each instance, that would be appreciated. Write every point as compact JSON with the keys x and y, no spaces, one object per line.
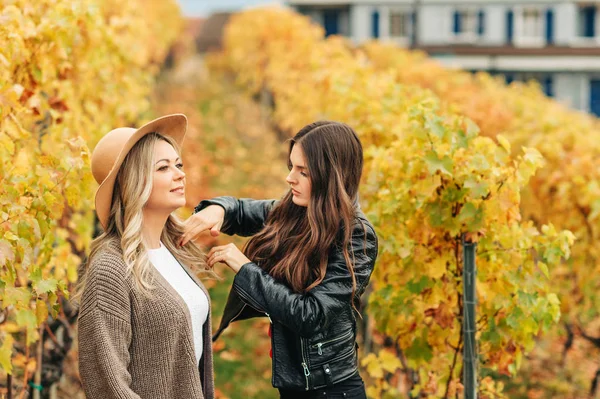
{"x":308,"y":262}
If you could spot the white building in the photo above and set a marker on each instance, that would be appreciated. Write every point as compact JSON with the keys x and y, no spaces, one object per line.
{"x":555,"y":42}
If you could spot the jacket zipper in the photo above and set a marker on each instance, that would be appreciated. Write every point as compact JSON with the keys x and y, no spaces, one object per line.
{"x":319,"y":345}
{"x":246,"y":297}
{"x":304,"y":366}
{"x":236,"y":316}
{"x":337,"y":358}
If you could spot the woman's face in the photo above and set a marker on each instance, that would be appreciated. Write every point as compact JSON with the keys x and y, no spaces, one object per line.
{"x":168,"y":179}
{"x":299,"y":177}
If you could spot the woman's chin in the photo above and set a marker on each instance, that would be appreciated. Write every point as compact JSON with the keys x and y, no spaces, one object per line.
{"x":299,"y":201}
{"x":178,"y":204}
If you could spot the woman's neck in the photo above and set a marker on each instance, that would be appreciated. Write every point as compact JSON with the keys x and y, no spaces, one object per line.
{"x":152,"y":228}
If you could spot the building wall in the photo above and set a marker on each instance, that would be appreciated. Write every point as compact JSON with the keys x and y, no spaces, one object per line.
{"x":570,"y":75}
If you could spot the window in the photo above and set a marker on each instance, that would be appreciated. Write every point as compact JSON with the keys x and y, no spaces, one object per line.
{"x":532,"y":23}
{"x":469,"y":23}
{"x":465,"y":22}
{"x":400,"y":23}
{"x":586,"y":21}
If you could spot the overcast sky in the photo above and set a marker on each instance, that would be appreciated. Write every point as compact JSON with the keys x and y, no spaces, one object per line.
{"x":195,"y":8}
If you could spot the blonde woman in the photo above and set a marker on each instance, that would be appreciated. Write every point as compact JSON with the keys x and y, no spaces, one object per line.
{"x":144,"y":318}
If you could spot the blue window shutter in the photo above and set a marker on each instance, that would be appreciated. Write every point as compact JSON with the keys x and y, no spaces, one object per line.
{"x":509,"y":26}
{"x":375,"y":24}
{"x":549,"y":26}
{"x":457,"y":22}
{"x":331,"y":22}
{"x":480,"y":23}
{"x":413,"y":27}
{"x":508,"y":78}
{"x":589,"y":18}
{"x":547,"y":86}
{"x":595,"y":97}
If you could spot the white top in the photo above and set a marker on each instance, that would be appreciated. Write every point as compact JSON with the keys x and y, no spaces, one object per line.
{"x":194,"y":297}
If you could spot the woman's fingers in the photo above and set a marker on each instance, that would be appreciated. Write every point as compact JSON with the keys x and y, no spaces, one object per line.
{"x":210,"y":218}
{"x":216,"y":229}
{"x":217,"y":254}
{"x":215,"y":250}
{"x":191,"y":230}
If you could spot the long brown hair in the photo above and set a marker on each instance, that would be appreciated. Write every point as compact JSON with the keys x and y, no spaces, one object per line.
{"x":293,"y":246}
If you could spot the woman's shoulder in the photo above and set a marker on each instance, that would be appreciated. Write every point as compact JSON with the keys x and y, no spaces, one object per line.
{"x":363,"y":225}
{"x":107,"y":284}
{"x":108,"y":261}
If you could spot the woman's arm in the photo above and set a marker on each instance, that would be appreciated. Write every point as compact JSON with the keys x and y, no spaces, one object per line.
{"x":243,"y":217}
{"x":311,"y":312}
{"x":104,"y":333}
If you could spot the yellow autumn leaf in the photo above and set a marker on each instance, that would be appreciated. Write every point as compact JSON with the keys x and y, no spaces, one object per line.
{"x":41,"y":311}
{"x":21,"y":162}
{"x":504,"y":143}
{"x":389,"y":361}
{"x":6,"y":353}
{"x":436,"y":268}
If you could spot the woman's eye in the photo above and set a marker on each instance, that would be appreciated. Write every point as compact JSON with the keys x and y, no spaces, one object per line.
{"x":303,"y":174}
{"x":163,"y":168}
{"x":180,"y":165}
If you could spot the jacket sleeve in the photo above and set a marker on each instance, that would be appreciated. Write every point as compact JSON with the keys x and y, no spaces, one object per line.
{"x":313,"y":311}
{"x":104,"y":335}
{"x":243,"y":217}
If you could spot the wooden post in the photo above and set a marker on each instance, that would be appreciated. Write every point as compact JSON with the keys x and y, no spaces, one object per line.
{"x":37,"y":379}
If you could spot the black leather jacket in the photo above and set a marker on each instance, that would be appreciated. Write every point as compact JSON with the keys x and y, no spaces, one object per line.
{"x":313,"y":334}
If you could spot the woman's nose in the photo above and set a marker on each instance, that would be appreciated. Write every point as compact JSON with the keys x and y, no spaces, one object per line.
{"x":289,"y":179}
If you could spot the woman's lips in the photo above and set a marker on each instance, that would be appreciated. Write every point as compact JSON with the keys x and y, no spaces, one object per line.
{"x":179,"y":190}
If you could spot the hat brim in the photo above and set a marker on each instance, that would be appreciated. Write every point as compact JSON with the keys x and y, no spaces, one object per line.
{"x":174,"y":126}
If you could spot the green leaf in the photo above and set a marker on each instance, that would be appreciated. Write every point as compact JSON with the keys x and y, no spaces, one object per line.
{"x":527,"y":300}
{"x":435,"y":164}
{"x":28,"y":319}
{"x":416,"y":286}
{"x":479,"y":163}
{"x":453,"y":194}
{"x":43,"y":286}
{"x":460,"y":140}
{"x":472,"y":128}
{"x":515,"y":317}
{"x":477,"y":189}
{"x":471,"y":216}
{"x":436,"y":213}
{"x":434,"y":124}
{"x":420,"y":349}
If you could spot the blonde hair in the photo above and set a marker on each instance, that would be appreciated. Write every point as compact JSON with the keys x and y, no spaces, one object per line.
{"x":132,"y":190}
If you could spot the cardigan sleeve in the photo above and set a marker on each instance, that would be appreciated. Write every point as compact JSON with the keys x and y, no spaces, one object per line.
{"x":104,"y":333}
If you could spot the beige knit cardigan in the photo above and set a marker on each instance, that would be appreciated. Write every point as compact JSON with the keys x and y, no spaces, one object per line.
{"x":132,"y":346}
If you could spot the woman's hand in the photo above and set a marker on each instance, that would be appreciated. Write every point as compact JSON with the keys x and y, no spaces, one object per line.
{"x":228,"y":254}
{"x":211,"y":217}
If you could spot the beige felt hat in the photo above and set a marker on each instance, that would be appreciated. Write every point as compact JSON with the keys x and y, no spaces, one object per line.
{"x":111,"y":150}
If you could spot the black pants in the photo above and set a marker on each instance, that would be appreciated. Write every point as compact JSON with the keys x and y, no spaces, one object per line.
{"x":352,"y":388}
